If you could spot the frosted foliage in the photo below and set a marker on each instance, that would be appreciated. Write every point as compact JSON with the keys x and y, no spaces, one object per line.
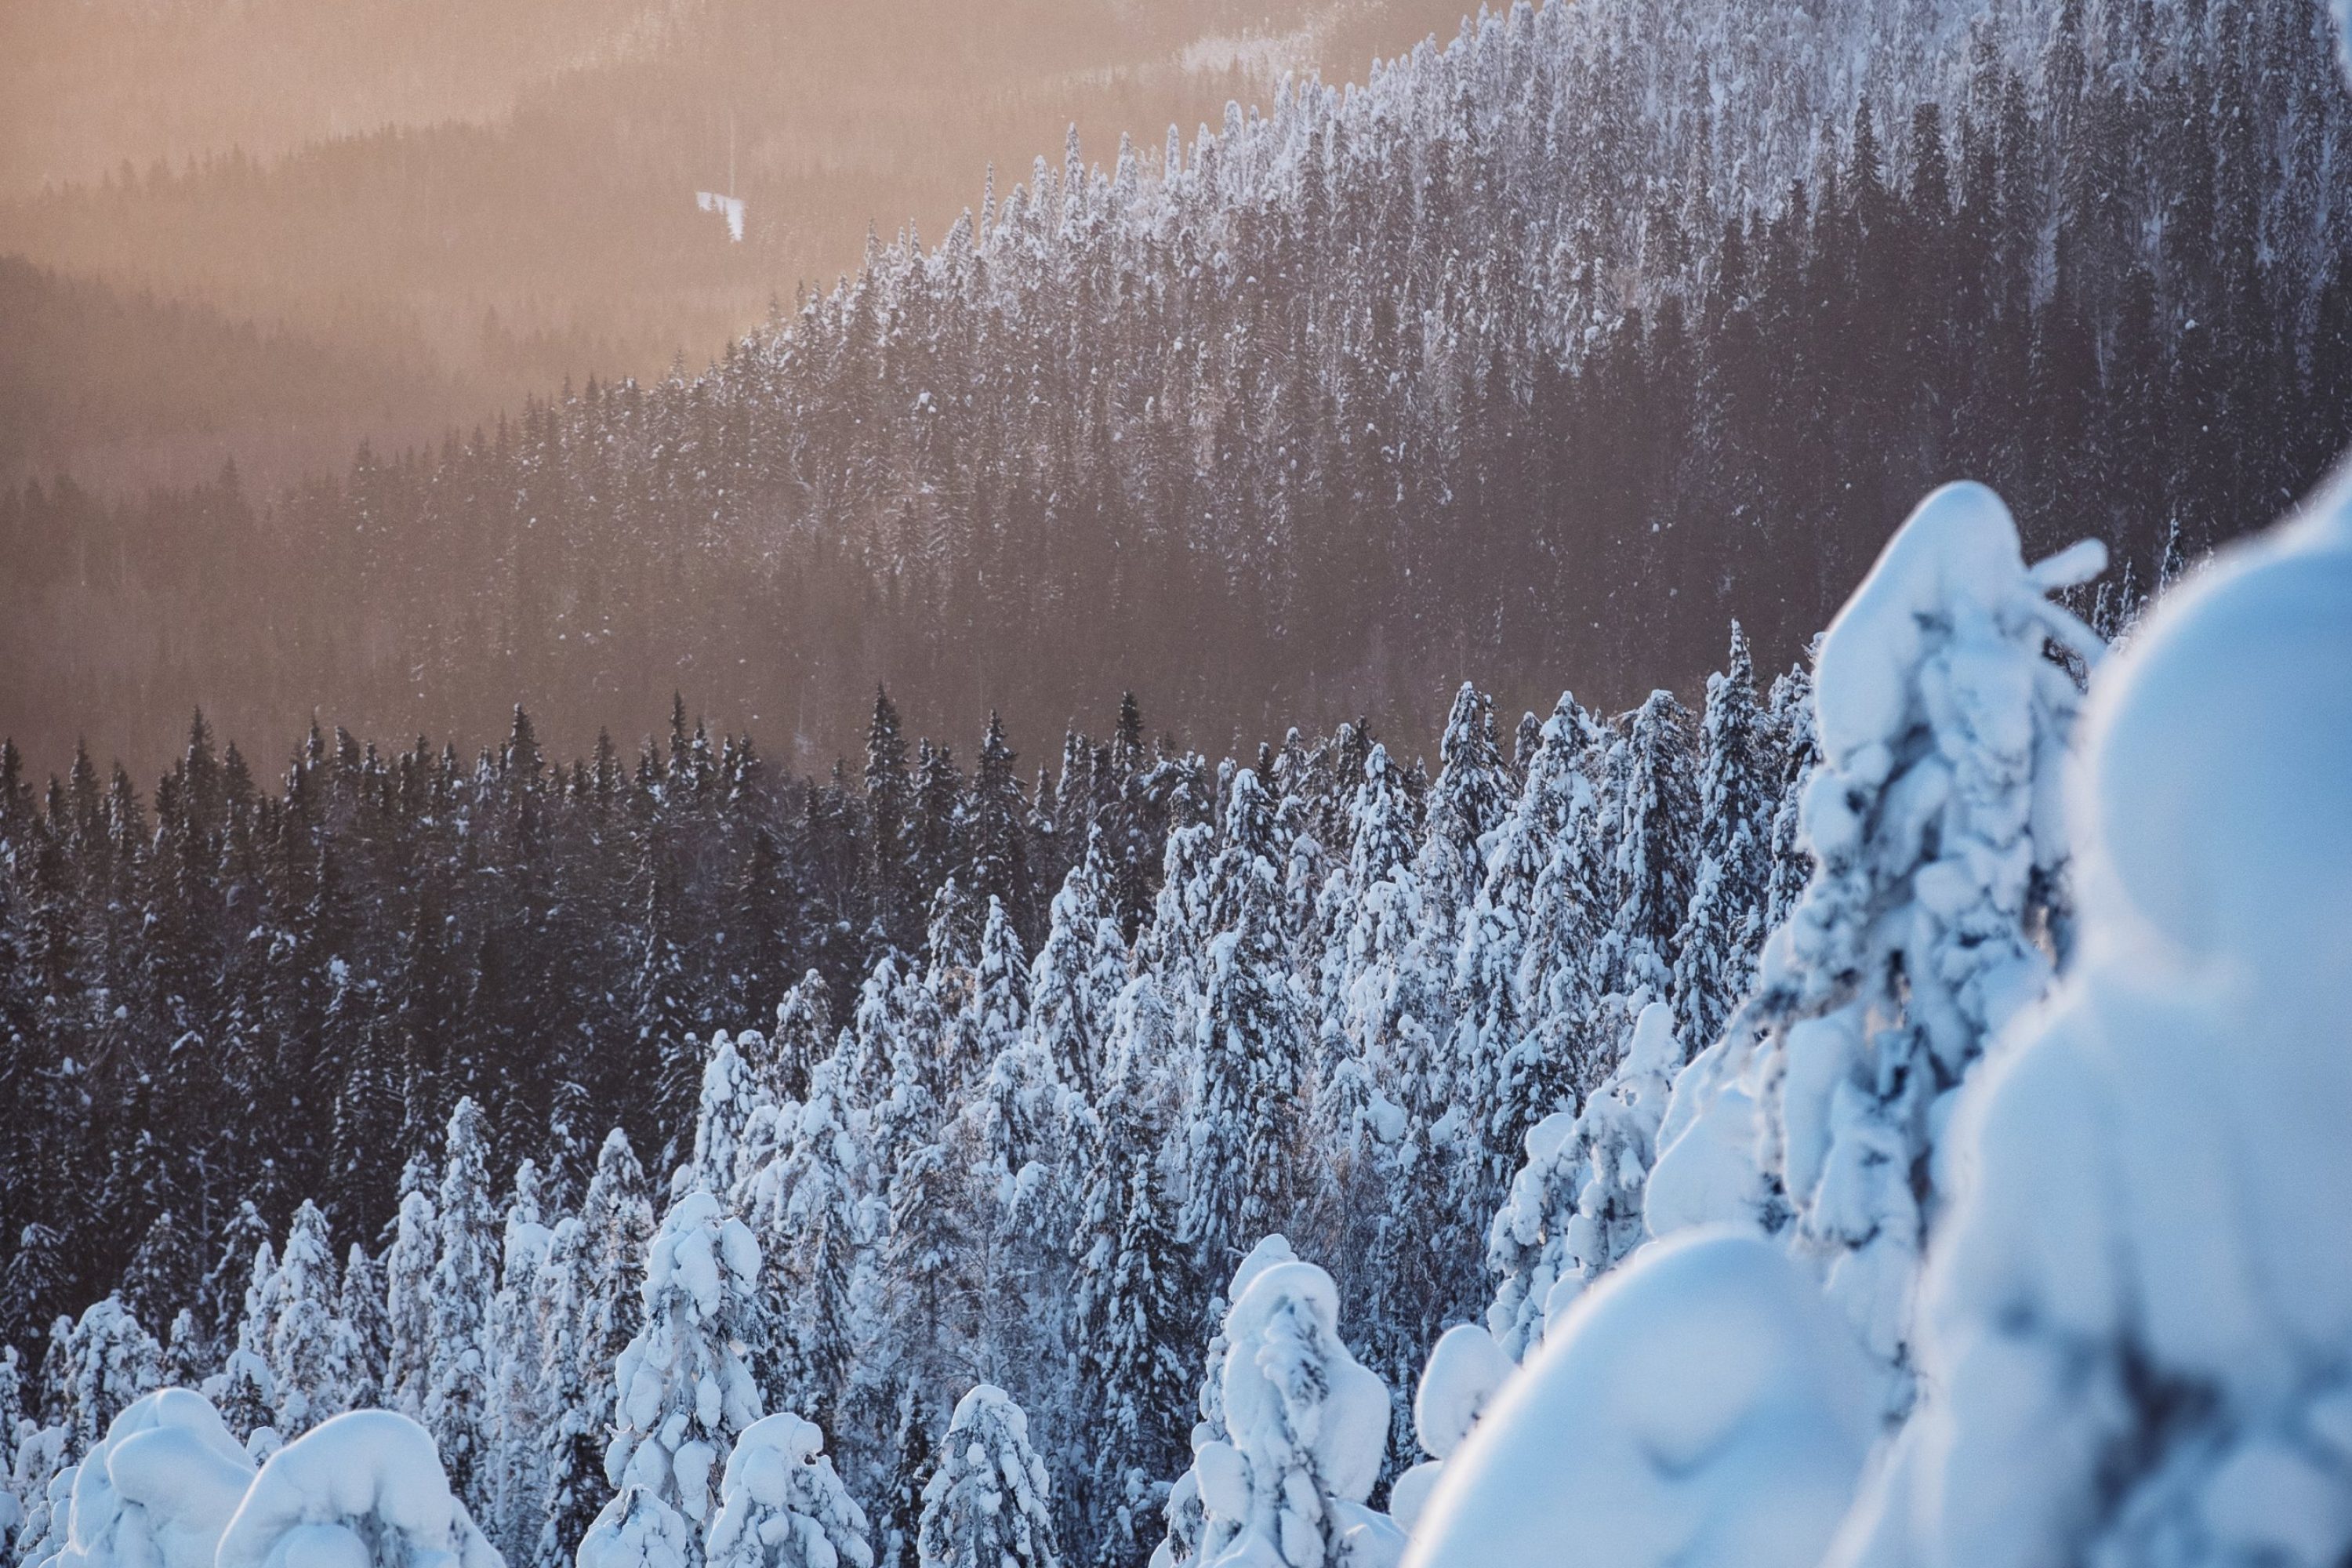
{"x":1935,"y":820}
{"x":364,"y":1490}
{"x":1463,"y":1375}
{"x":2136,"y":1322}
{"x":730,"y":1097}
{"x":1575,"y":1207}
{"x":685,"y":1387}
{"x":637,"y":1529}
{"x":1304,"y":1428}
{"x":157,"y":1490}
{"x":987,"y":1505}
{"x":1701,"y":1408}
{"x":781,"y":1506}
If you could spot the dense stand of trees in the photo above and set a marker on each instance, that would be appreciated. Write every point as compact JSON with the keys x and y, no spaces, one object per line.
{"x":1542,"y":352}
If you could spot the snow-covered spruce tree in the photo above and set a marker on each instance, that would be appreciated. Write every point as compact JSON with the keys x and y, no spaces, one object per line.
{"x":637,"y":1530}
{"x":363,"y":1332}
{"x":1135,"y":1325}
{"x":781,"y":1506}
{"x":1934,"y":818}
{"x":2136,"y":1319}
{"x":1565,"y":956}
{"x":685,"y":1384}
{"x":521,"y":1403}
{"x":987,"y":1506}
{"x":1465,"y":1372}
{"x":458,"y":1396}
{"x":988,"y":1022}
{"x":1293,"y":1439}
{"x":615,"y":1223}
{"x":1656,"y":832}
{"x":408,"y":1304}
{"x":804,"y":1037}
{"x":1575,"y":1207}
{"x":1075,"y":982}
{"x":730,"y":1095}
{"x":804,"y":1211}
{"x":305,"y":1360}
{"x":110,"y":1361}
{"x":243,"y":1390}
{"x":1240,"y":1146}
{"x":1796,"y":751}
{"x":559,"y":1298}
{"x":365,"y":1490}
{"x":1500,"y":1079}
{"x":1723,"y":929}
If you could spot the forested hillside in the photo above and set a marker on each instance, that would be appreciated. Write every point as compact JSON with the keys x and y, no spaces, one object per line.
{"x":1316,"y":412}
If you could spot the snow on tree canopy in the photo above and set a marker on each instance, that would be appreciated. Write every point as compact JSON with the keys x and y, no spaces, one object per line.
{"x":364,"y":1490}
{"x":781,"y":1506}
{"x":987,"y":1506}
{"x":1465,"y":1371}
{"x":685,"y":1385}
{"x":1700,"y":1408}
{"x":637,"y":1530}
{"x":158,"y":1490}
{"x":1575,"y":1209}
{"x":1304,"y":1428}
{"x":2136,"y":1322}
{"x":1935,"y":820}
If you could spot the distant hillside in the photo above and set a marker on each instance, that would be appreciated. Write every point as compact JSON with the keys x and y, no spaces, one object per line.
{"x":513,"y":181}
{"x":141,"y":389}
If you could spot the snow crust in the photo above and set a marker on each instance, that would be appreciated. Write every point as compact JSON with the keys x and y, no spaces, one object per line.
{"x":1702,"y":1407}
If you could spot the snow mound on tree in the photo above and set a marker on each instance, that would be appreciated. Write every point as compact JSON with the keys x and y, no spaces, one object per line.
{"x":1702,"y":1407}
{"x":158,"y":1490}
{"x":637,"y":1529}
{"x":2138,"y":1321}
{"x":781,"y":1505}
{"x":364,"y":1490}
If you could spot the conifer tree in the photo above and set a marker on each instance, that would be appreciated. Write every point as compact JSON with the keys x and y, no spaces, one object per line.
{"x":408,"y":1268}
{"x":987,"y":1506}
{"x":781,"y":1506}
{"x":306,"y":1362}
{"x":684,"y":1384}
{"x":458,"y":1396}
{"x":363,"y":1333}
{"x":1723,"y":927}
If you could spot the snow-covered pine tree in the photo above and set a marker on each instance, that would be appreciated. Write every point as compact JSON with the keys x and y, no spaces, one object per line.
{"x":1240,"y":1146}
{"x":684,"y":1384}
{"x":730,"y":1095}
{"x":781,"y":1506}
{"x":111,"y":1361}
{"x":408,"y":1265}
{"x":1472,"y":793}
{"x":521,"y":1403}
{"x":1564,"y":958}
{"x":615,"y":1223}
{"x":363,"y":1332}
{"x":803,"y":1209}
{"x":1075,"y":982}
{"x":306,"y":1361}
{"x":1796,"y":751}
{"x":1575,"y":1208}
{"x":1136,"y":1325}
{"x":558,"y":1301}
{"x":989,"y":1504}
{"x":458,"y":1397}
{"x":1934,"y":817}
{"x":1293,"y":1436}
{"x":803,"y":1036}
{"x":243,"y":1390}
{"x":1498,"y":1079}
{"x":1723,"y":928}
{"x":1658,"y":828}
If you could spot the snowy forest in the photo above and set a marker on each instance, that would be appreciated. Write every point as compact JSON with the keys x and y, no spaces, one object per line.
{"x":1859,"y":1081}
{"x":1537,"y":360}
